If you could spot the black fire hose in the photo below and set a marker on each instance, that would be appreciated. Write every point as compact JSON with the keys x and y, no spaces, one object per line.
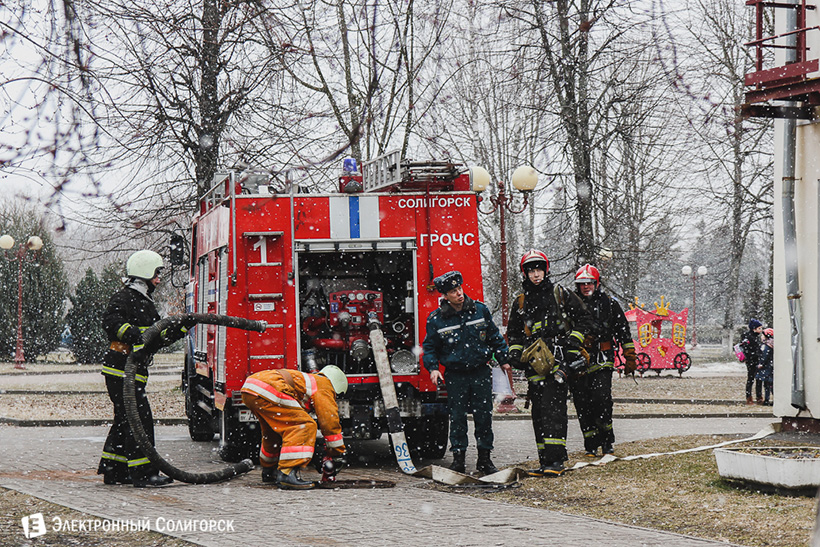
{"x":150,"y":338}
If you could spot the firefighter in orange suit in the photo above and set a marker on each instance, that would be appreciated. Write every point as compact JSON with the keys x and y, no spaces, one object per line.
{"x":281,"y":399}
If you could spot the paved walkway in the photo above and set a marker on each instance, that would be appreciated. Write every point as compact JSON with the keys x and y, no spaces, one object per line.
{"x":57,"y":464}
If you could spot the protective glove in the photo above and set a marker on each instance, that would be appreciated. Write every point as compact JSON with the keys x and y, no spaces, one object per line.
{"x":176,"y":330}
{"x":173,"y":333}
{"x":590,"y":342}
{"x":514,"y":358}
{"x":143,"y":353}
{"x":129,"y":334}
{"x":575,"y":349}
{"x":575,"y":341}
{"x":630,"y":362}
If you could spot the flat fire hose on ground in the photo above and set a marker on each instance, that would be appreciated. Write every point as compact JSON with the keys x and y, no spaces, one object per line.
{"x":395,"y":427}
{"x":509,"y":476}
{"x":129,"y":395}
{"x":765,"y":432}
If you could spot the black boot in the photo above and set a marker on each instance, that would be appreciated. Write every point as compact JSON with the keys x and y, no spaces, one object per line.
{"x":113,"y":477}
{"x":607,"y":448}
{"x":152,"y":480}
{"x":555,"y":469}
{"x":484,"y":464}
{"x":458,"y":464}
{"x":542,"y":462}
{"x":292,"y":481}
{"x":548,"y":468}
{"x":269,"y":474}
{"x":114,"y":474}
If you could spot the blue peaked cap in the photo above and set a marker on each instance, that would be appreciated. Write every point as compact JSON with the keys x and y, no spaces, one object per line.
{"x":448,"y":281}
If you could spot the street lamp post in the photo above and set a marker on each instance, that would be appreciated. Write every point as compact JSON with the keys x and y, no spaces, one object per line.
{"x":524,"y":179}
{"x":701,"y":272}
{"x":33,"y":243}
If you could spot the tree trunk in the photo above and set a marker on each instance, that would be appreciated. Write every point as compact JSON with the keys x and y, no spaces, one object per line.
{"x":206,"y":151}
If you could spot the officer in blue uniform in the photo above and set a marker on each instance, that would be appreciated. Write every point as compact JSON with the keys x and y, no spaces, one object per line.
{"x":461,"y":339}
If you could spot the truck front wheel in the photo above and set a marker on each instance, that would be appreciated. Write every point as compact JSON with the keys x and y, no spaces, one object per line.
{"x":200,"y":426}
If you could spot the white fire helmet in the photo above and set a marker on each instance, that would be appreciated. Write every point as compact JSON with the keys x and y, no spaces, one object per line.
{"x":336,"y":376}
{"x":144,"y":265}
{"x":534,"y":259}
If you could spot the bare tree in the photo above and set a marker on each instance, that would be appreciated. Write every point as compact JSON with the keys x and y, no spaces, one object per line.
{"x":49,"y":117}
{"x":641,"y":169}
{"x":365,"y":61}
{"x":733,"y":152}
{"x":577,"y":39}
{"x":490,"y":114}
{"x":503,"y":110}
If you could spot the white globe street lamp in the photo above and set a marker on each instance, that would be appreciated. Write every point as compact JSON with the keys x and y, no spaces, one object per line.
{"x":33,"y":243}
{"x":524,"y":179}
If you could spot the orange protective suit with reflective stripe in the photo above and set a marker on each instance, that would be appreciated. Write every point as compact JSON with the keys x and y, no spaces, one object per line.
{"x":288,"y":431}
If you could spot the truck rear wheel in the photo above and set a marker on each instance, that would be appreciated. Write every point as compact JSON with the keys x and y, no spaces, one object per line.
{"x":237,"y":440}
{"x":427,"y":436}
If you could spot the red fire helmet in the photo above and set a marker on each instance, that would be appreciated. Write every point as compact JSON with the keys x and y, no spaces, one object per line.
{"x":588,"y":274}
{"x":531,"y":259}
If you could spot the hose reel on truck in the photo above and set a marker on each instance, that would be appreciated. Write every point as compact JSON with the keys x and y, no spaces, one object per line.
{"x":130,"y":398}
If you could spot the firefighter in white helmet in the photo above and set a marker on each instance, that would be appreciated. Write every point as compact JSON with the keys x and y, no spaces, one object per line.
{"x":593,"y":397}
{"x":281,"y":399}
{"x":546,"y":314}
{"x":130,"y":312}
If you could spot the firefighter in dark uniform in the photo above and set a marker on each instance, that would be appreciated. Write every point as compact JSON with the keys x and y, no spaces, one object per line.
{"x":557,"y":316}
{"x":131,"y":311}
{"x":593,"y":395}
{"x":462,"y":338}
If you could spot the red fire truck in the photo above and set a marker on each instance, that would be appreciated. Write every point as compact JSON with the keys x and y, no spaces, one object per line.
{"x":313,"y":266}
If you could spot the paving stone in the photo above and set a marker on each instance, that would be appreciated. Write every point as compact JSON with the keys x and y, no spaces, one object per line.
{"x":58,"y":464}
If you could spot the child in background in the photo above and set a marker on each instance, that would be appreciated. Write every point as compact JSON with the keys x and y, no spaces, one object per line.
{"x":750,"y":345}
{"x":765,"y":367}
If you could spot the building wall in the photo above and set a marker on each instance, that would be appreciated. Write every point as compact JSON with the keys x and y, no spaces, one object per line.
{"x":807,"y":216}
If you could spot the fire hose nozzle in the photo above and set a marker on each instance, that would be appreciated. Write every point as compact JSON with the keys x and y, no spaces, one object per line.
{"x":331,"y":468}
{"x":329,"y":471}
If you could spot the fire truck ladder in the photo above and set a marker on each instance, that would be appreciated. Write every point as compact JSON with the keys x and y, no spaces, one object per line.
{"x":390,"y":171}
{"x":267,"y":259}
